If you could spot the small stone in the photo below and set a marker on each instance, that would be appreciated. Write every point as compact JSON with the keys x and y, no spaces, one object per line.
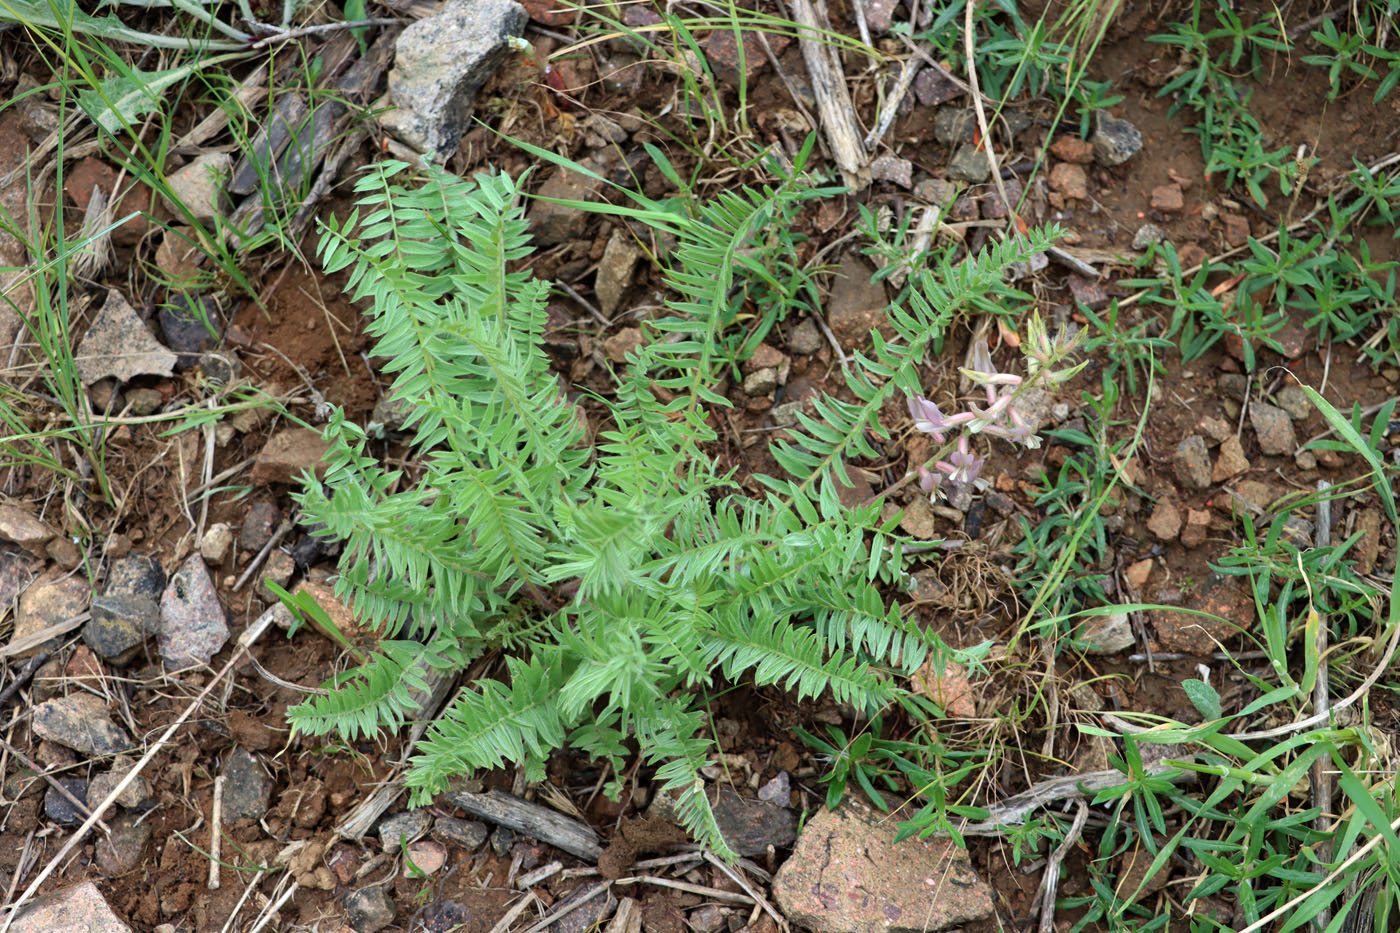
{"x":1115,"y":141}
{"x":805,"y":339}
{"x":1192,"y":462}
{"x":469,"y":834}
{"x":1165,"y":523}
{"x":1105,"y":634}
{"x":1137,"y":572}
{"x":216,"y":543}
{"x":936,"y":191}
{"x":259,"y":524}
{"x":1090,"y":294}
{"x":502,"y":840}
{"x":1231,"y":461}
{"x":19,"y":526}
{"x":52,"y":600}
{"x":199,"y":186}
{"x":1236,"y":229}
{"x":193,"y":624}
{"x":1070,"y":180}
{"x":951,"y":689}
{"x":1305,"y":460}
{"x":1273,"y":429}
{"x":553,"y":223}
{"x":1197,"y":525}
{"x":994,"y":208}
{"x":622,"y":343}
{"x":857,"y":305}
{"x":440,"y":62}
{"x":1072,"y":149}
{"x":133,"y":795}
{"x":247,"y":786}
{"x":964,"y":208}
{"x":969,"y":164}
{"x":64,"y":552}
{"x":142,"y":402}
{"x":751,"y":826}
{"x":79,"y":721}
{"x":1147,"y":235}
{"x":369,"y":910}
{"x":278,"y":569}
{"x":79,"y":909}
{"x":615,"y":269}
{"x":123,"y":850}
{"x":426,"y":856}
{"x":1294,"y":401}
{"x":708,"y":919}
{"x":722,"y":51}
{"x":59,"y":808}
{"x":892,"y":169}
{"x":764,"y":357}
{"x":777,"y":792}
{"x":390,"y":414}
{"x":186,"y":321}
{"x":1167,"y":198}
{"x":1232,"y":386}
{"x":932,"y":87}
{"x":290,"y":453}
{"x":1226,"y":607}
{"x":954,"y":125}
{"x":136,"y":575}
{"x":919,"y":884}
{"x":120,"y":623}
{"x":761,"y":383}
{"x":402,"y":828}
{"x":1217,"y":429}
{"x":917,"y":519}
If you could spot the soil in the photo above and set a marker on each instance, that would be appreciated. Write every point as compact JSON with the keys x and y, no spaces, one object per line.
{"x":305,"y":340}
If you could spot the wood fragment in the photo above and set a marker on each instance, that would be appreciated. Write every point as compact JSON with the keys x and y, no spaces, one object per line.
{"x":834,"y":105}
{"x":532,"y":878}
{"x":515,"y":911}
{"x":216,"y":841}
{"x":537,"y":822}
{"x":626,"y":919}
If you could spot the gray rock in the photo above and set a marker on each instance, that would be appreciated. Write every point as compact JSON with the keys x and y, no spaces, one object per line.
{"x":954,"y":125}
{"x":1273,"y":428}
{"x":1106,"y":634}
{"x":193,"y":625}
{"x":776,"y":792}
{"x":751,"y":826}
{"x":892,"y":169}
{"x":49,"y":601}
{"x":402,"y":828}
{"x":440,"y":62}
{"x":857,"y":305}
{"x":1192,"y":462}
{"x":936,"y":191}
{"x":79,"y":909}
{"x":389,"y":415}
{"x":806,"y":338}
{"x":199,"y":186}
{"x":761,"y":382}
{"x":216,"y":543}
{"x":587,"y":917}
{"x":246,"y":786}
{"x":118,"y":344}
{"x":136,"y":575}
{"x":1232,"y":385}
{"x":259,"y":524}
{"x":847,"y":875}
{"x":17,"y":571}
{"x":1115,"y":141}
{"x":969,"y":164}
{"x":191,"y":324}
{"x":119,"y":625}
{"x":134,"y":795}
{"x":1146,"y":235}
{"x":123,"y":850}
{"x":615,"y":271}
{"x":469,"y":834}
{"x":79,"y":721}
{"x":288,"y":454}
{"x":708,"y":919}
{"x":554,"y":223}
{"x":369,"y":910}
{"x":502,"y":840}
{"x":932,"y":87}
{"x":1294,"y":401}
{"x":144,"y":402}
{"x":59,"y":808}
{"x":19,"y":526}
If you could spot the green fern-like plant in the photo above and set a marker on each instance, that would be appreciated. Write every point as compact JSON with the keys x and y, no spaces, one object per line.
{"x":624,"y":578}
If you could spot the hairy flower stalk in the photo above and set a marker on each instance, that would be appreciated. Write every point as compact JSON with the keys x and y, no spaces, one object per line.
{"x":956,"y":463}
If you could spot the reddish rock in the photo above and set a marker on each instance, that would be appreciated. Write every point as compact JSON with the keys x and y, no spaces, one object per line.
{"x":80,"y":907}
{"x":1088,"y":293}
{"x":764,"y":357}
{"x":722,"y":51}
{"x":288,"y":454}
{"x":1197,"y":525}
{"x":857,"y":305}
{"x":1236,"y":229}
{"x":622,"y":343}
{"x":1190,"y":255}
{"x":951,"y":689}
{"x":548,"y":12}
{"x":1231,"y":461}
{"x":1165,"y":522}
{"x":1072,"y":149}
{"x":1167,"y":198}
{"x":932,"y":87}
{"x":1070,"y":180}
{"x":1229,"y":609}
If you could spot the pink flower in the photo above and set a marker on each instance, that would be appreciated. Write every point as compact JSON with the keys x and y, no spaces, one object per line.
{"x":927,"y":417}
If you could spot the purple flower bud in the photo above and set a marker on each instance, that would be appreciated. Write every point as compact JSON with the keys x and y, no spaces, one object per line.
{"x":927,"y":417}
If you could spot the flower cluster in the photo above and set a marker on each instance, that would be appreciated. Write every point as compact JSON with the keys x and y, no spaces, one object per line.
{"x":956,"y":463}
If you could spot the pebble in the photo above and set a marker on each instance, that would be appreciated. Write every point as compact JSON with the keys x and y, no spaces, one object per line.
{"x":892,"y":169}
{"x":932,"y":87}
{"x":857,"y":305}
{"x":79,"y":907}
{"x":1137,"y":573}
{"x":19,"y":526}
{"x":1294,"y":401}
{"x":1230,"y":462}
{"x":64,"y":552}
{"x":1192,"y":462}
{"x":622,"y":343}
{"x":469,"y":834}
{"x":426,"y":856}
{"x":1105,"y":634}
{"x":761,"y":382}
{"x":751,"y":826}
{"x":936,"y":191}
{"x":615,"y":271}
{"x":403,"y":827}
{"x":142,"y":402}
{"x":954,"y":125}
{"x":969,"y":164}
{"x":917,"y":519}
{"x":502,"y":839}
{"x":59,"y":808}
{"x":950,"y":688}
{"x":79,"y":721}
{"x":1273,"y":428}
{"x":805,"y":339}
{"x":1070,"y":180}
{"x":708,"y":919}
{"x":1147,"y":235}
{"x":1167,"y":198}
{"x":51,"y":600}
{"x":193,"y":624}
{"x":1197,"y":526}
{"x":1165,"y":523}
{"x":119,"y":625}
{"x":1217,"y":429}
{"x":1072,"y":149}
{"x":132,"y":796}
{"x":199,"y":185}
{"x":554,"y":223}
{"x":136,"y":575}
{"x":247,"y":786}
{"x":118,"y":344}
{"x":369,"y":910}
{"x":1115,"y":141}
{"x":288,"y":454}
{"x":777,"y":792}
{"x":278,"y":569}
{"x":214,"y":547}
{"x":186,"y":321}
{"x":123,"y":850}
